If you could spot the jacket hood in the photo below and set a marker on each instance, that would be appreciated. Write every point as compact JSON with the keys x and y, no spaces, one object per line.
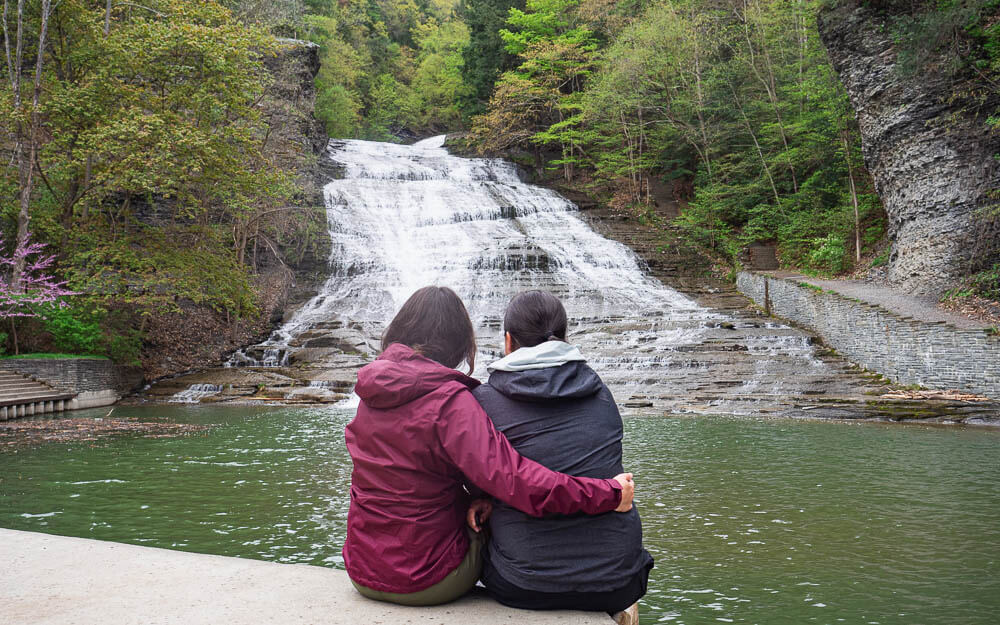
{"x":401,"y":375}
{"x":552,"y":370}
{"x":541,"y":356}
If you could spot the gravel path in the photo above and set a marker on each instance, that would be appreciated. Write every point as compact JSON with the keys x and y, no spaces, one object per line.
{"x":920,"y":307}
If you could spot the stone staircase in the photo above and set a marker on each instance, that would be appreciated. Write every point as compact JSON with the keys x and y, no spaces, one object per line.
{"x":21,"y":396}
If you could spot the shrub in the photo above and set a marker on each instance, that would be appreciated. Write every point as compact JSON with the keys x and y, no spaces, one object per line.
{"x":85,"y":328}
{"x":987,"y":283}
{"x":828,"y":254}
{"x":75,"y":329}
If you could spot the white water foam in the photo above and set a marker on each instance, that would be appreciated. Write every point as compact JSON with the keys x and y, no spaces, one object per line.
{"x":404,"y":217}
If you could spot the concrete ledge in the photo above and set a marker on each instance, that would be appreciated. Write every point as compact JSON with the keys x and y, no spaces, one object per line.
{"x":55,"y":580}
{"x":94,"y":399}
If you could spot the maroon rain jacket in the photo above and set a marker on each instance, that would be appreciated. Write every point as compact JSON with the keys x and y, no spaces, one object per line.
{"x":418,"y":437}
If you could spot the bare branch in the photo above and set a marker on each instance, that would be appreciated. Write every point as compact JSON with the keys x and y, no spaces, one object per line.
{"x":6,"y":45}
{"x":40,"y":57}
{"x":18,"y":55}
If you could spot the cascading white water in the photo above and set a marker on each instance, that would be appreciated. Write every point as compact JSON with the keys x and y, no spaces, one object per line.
{"x":195,"y":393}
{"x":404,"y":217}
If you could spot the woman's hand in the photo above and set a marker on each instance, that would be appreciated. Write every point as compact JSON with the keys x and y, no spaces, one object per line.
{"x":628,"y":491}
{"x":480,"y":511}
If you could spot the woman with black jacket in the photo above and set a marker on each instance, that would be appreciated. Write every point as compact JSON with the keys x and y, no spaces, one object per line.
{"x":555,"y":409}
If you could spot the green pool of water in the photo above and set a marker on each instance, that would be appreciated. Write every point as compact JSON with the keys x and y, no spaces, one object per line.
{"x":749,"y":521}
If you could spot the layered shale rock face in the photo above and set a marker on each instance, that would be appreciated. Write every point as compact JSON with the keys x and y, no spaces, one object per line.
{"x":930,"y":155}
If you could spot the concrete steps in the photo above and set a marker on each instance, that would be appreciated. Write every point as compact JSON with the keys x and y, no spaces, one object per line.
{"x":21,"y":396}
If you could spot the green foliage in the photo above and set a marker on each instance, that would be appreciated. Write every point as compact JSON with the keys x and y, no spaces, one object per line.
{"x":944,"y":37}
{"x":438,"y":86}
{"x":153,"y":268}
{"x":828,"y":254}
{"x":163,"y":105}
{"x":74,"y":329}
{"x":986,"y":283}
{"x":542,"y":21}
{"x":739,"y":100}
{"x":389,"y":69}
{"x":485,"y":57}
{"x":86,"y":327}
{"x":538,"y":103}
{"x":338,"y":109}
{"x":156,"y":171}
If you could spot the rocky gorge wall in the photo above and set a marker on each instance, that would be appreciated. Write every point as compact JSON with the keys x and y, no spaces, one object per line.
{"x":930,"y":154}
{"x":905,"y":350}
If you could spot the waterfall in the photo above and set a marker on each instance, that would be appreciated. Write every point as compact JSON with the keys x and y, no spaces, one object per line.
{"x":404,"y":217}
{"x":195,"y":393}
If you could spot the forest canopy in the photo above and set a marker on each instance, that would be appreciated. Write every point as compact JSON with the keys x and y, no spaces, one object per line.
{"x":139,"y":146}
{"x":137,"y":151}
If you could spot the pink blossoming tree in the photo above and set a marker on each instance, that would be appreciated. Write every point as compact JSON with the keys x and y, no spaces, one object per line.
{"x":25,"y":282}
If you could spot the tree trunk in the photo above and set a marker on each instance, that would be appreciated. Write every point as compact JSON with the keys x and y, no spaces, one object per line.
{"x":701,"y":105}
{"x":770,"y":87}
{"x":760,"y":152}
{"x":854,"y":197}
{"x":26,"y":168}
{"x":633,"y":181}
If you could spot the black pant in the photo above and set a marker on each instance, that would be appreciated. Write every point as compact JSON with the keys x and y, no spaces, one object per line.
{"x":610,"y":601}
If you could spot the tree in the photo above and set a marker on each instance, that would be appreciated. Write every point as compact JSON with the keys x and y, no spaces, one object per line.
{"x":144,"y":116}
{"x":25,"y":282}
{"x":542,"y":94}
{"x":389,"y":68}
{"x":485,"y":57}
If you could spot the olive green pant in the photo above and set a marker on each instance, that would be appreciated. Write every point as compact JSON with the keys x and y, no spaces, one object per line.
{"x":457,"y":583}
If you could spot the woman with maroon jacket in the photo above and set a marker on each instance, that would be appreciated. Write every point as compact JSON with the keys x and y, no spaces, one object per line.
{"x":419,"y":438}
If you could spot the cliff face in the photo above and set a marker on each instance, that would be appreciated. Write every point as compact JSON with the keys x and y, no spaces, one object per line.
{"x":297,"y":141}
{"x":931,"y":158}
{"x":295,"y":134}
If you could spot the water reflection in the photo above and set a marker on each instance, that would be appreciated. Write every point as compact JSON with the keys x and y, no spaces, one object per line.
{"x":749,"y":521}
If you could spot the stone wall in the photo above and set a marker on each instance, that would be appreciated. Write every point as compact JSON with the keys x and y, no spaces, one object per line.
{"x":931,"y":354}
{"x":96,"y":382}
{"x":930,"y":155}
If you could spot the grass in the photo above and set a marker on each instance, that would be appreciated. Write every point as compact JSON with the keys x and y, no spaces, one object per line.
{"x":42,"y":356}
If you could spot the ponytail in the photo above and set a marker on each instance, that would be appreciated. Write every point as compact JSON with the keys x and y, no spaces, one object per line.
{"x":534,"y":317}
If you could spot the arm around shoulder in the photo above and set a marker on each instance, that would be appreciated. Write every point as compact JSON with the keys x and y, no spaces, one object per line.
{"x":488,"y":460}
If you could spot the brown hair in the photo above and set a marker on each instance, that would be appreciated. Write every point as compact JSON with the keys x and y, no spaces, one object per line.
{"x":435,"y":324}
{"x":534,"y":317}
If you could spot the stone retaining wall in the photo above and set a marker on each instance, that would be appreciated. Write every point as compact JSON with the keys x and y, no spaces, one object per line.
{"x":96,"y":382}
{"x":932,"y":354}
